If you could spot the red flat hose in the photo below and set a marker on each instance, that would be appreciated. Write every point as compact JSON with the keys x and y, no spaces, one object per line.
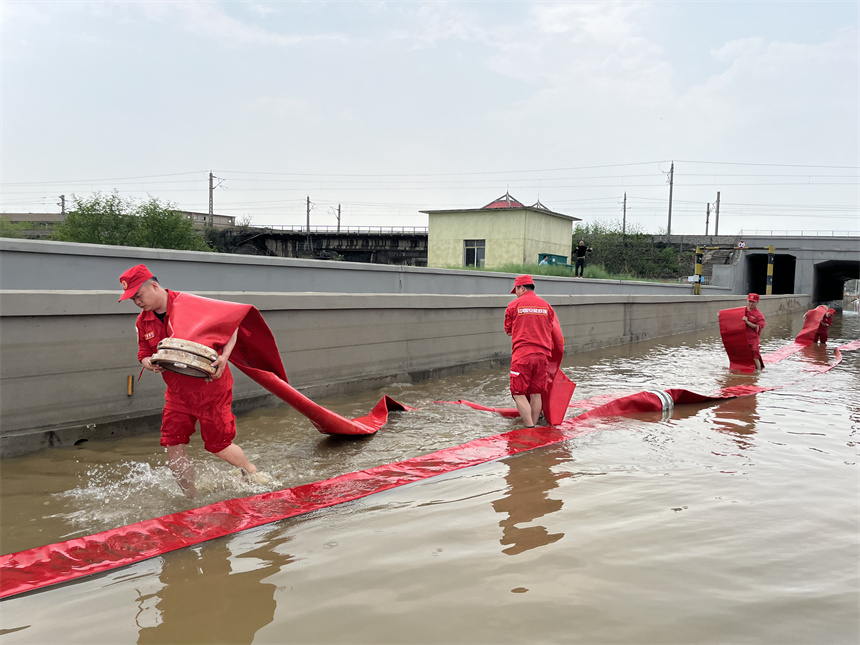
{"x":804,"y":339}
{"x":212,"y":323}
{"x":52,"y":564}
{"x":734,"y":334}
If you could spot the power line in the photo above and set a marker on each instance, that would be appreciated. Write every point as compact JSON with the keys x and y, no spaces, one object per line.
{"x":771,"y":165}
{"x":89,"y":181}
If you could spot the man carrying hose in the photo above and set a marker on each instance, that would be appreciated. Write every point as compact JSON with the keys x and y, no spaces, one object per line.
{"x":530,"y":322}
{"x":754,"y":320}
{"x":188,"y":400}
{"x":824,"y":326}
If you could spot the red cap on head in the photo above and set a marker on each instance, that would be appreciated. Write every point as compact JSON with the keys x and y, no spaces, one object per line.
{"x":522,"y":280}
{"x":753,"y":297}
{"x":831,"y":311}
{"x":132,"y":279}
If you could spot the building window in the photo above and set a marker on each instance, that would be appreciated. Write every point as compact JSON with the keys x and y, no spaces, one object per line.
{"x":473,"y":252}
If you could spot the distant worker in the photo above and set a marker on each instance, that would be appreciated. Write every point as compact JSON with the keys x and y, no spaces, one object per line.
{"x":188,"y":399}
{"x":580,"y":251}
{"x":531,"y":323}
{"x":754,"y":320}
{"x":543,"y":261}
{"x":824,"y":326}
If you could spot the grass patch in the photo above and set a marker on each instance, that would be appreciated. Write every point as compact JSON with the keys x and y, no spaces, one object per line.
{"x":594,"y":271}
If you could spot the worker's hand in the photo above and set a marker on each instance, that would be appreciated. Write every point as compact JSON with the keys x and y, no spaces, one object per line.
{"x":220,"y":364}
{"x":149,"y":365}
{"x":744,"y":319}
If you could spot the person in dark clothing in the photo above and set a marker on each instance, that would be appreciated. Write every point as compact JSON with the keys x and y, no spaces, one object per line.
{"x":580,"y":251}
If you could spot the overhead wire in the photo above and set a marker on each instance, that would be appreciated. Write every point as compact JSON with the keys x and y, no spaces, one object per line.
{"x":244,"y":183}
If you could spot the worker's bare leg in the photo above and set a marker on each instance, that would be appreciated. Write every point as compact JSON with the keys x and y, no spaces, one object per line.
{"x":182,"y":469}
{"x":234,"y":455}
{"x":524,"y":407}
{"x":536,"y":404}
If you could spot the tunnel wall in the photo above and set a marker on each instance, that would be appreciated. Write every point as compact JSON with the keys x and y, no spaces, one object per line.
{"x":66,"y":356}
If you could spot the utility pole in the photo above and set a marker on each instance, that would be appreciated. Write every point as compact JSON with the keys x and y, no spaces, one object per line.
{"x":624,"y":217}
{"x":707,"y":217}
{"x":671,"y":185}
{"x":338,"y":218}
{"x":212,"y":188}
{"x":717,"y":216}
{"x":62,"y":205}
{"x":309,"y":245}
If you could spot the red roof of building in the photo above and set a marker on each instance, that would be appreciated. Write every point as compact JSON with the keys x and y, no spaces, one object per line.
{"x":505,"y":201}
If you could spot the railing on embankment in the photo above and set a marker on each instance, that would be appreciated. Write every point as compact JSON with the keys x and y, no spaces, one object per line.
{"x":66,"y":357}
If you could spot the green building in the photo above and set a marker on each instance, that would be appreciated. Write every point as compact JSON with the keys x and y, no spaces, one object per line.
{"x":502,"y":232}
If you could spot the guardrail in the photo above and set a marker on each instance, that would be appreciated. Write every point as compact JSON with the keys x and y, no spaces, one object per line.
{"x":343,"y":229}
{"x":798,"y":233}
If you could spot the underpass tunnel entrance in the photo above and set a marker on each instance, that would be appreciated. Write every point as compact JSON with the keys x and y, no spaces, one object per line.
{"x":830,"y":278}
{"x":783,"y":273}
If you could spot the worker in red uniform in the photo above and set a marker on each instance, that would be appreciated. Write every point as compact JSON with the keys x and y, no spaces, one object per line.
{"x":823,"y":326}
{"x":187,"y":400}
{"x":530,"y":322}
{"x":754,"y":320}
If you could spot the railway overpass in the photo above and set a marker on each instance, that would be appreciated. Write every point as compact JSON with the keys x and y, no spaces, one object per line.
{"x":817,"y":265}
{"x":402,"y":245}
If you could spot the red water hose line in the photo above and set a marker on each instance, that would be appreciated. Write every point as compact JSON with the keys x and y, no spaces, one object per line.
{"x":44,"y":566}
{"x":212,"y":323}
{"x":733,"y":332}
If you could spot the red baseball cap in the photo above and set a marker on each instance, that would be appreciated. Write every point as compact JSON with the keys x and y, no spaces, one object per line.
{"x":831,"y":311}
{"x":753,"y":297}
{"x":522,"y":280}
{"x":132,"y":279}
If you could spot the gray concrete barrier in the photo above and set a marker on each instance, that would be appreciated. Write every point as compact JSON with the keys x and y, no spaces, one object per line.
{"x":66,"y":356}
{"x":35,"y":264}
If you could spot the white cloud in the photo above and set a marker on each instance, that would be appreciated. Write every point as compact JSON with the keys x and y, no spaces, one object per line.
{"x":208,"y":19}
{"x":431,"y":87}
{"x":596,"y":22}
{"x":435,"y":22}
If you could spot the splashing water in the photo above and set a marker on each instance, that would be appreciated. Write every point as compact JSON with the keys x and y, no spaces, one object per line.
{"x":130,"y":491}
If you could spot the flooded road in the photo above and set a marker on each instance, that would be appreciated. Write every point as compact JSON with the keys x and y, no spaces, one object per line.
{"x":734,"y":522}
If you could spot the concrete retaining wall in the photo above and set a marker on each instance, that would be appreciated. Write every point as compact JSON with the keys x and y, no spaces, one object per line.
{"x":66,"y":356}
{"x":34,"y":264}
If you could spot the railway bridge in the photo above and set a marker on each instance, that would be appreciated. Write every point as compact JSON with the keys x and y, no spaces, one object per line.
{"x":817,"y":265}
{"x":403,"y":245}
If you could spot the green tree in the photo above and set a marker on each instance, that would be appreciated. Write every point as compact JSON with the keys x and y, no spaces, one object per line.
{"x":160,"y":227}
{"x":632,"y":253}
{"x":110,"y":219}
{"x":13,"y":229}
{"x":100,"y":219}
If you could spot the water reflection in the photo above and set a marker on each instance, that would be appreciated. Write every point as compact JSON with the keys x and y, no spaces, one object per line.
{"x":529,"y":479}
{"x":815,"y":354}
{"x":189,"y":608}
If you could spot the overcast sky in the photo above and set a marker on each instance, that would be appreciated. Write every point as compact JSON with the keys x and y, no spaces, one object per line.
{"x":390,"y":108}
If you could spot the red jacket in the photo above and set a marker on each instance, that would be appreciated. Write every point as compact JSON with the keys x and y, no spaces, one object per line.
{"x":756,"y":318}
{"x":189,"y":394}
{"x":530,"y":322}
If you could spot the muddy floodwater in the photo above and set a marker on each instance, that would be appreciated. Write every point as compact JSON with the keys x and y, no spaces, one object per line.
{"x":735,"y":522}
